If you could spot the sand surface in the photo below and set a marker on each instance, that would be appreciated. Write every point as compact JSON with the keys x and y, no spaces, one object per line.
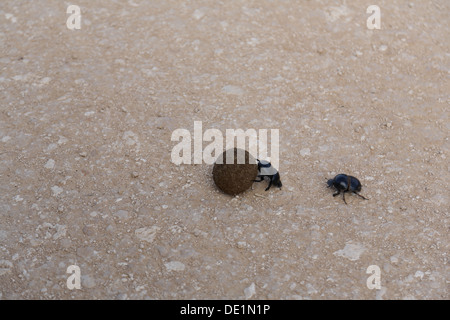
{"x":86,"y":176}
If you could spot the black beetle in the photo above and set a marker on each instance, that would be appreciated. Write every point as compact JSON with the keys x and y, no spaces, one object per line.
{"x":344,"y":183}
{"x":265,"y":169}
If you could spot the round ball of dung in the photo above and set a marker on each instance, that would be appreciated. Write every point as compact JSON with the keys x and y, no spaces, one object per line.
{"x":235,"y":174}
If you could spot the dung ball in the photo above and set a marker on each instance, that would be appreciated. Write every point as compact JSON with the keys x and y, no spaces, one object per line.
{"x":237,"y":174}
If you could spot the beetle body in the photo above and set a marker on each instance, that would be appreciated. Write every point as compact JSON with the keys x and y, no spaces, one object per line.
{"x":265,"y":169}
{"x":344,"y":183}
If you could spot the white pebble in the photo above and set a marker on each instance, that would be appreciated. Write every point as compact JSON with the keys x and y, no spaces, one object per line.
{"x":174,"y":266}
{"x":419,"y":274}
{"x":147,"y":234}
{"x":394,"y":260}
{"x":50,"y":164}
{"x":233,"y":90}
{"x":351,"y":251}
{"x":10,"y":16}
{"x":46,"y":80}
{"x":250,"y":291}
{"x":122,"y":214}
{"x":305,"y":152}
{"x":87,"y":282}
{"x":198,"y":14}
{"x":56,"y":190}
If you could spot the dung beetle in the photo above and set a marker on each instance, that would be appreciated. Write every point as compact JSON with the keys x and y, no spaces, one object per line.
{"x":344,"y":183}
{"x":265,"y":169}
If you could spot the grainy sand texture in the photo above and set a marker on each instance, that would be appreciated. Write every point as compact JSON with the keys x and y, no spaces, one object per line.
{"x":87,"y":178}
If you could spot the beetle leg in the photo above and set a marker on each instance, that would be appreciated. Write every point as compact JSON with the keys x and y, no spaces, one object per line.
{"x":270,"y":184}
{"x":343,"y":197}
{"x":360,"y":196}
{"x":336,"y":194}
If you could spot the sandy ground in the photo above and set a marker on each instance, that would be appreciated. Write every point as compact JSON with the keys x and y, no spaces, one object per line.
{"x":86,"y":177}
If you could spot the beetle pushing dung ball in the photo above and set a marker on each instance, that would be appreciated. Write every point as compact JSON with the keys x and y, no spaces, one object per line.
{"x":234,"y":178}
{"x":266,"y":169}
